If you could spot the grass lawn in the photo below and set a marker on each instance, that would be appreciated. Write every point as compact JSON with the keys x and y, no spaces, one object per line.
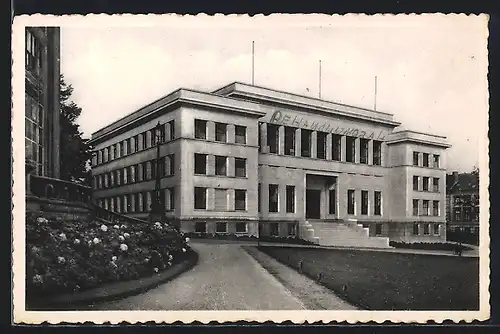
{"x":390,"y":281}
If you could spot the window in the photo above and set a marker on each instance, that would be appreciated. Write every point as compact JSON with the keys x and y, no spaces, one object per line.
{"x":436,"y":161}
{"x":364,"y":202}
{"x":350,"y":149}
{"x":169,"y":165}
{"x":221,"y":228}
{"x":220,"y":165}
{"x":273,"y":198}
{"x":200,"y":163}
{"x":200,"y":198}
{"x":220,"y":132}
{"x":292,"y":229}
{"x":332,"y":202}
{"x":258,"y":196}
{"x":200,"y":227}
{"x":351,"y":202}
{"x":415,"y":229}
{"x":436,"y":229}
{"x":144,"y":140}
{"x":241,"y":227}
{"x":154,"y":168}
{"x":274,"y":229}
{"x":109,"y":154}
{"x":415,"y":159}
{"x":425,"y":207}
{"x":363,"y":146}
{"x":240,"y":167}
{"x":121,"y":148}
{"x":425,"y":160}
{"x":200,"y":129}
{"x":377,"y":152}
{"x":240,"y":199}
{"x":426,"y":229}
{"x":321,"y":145}
{"x":152,"y":137}
{"x":34,"y":137}
{"x":305,"y":143}
{"x":378,"y":203}
{"x":336,"y":147}
{"x":240,"y":134}
{"x":415,"y":207}
{"x":33,"y":53}
{"x":289,"y":140}
{"x":136,"y":143}
{"x":171,"y":192}
{"x":435,"y":184}
{"x":290,"y":199}
{"x":415,"y":183}
{"x":272,"y":138}
{"x":171,"y":126}
{"x":378,"y":229}
{"x":425,"y":183}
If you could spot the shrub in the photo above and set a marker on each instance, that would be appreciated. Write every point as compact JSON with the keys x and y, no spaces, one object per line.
{"x":429,"y":246}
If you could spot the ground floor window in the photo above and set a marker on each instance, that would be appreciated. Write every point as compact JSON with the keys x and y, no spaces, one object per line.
{"x":221,"y":228}
{"x":292,"y":229}
{"x":200,"y":227}
{"x":415,"y":229}
{"x":426,"y":229}
{"x":436,"y":229}
{"x":332,"y":202}
{"x":351,"y":200}
{"x":274,"y":229}
{"x":378,"y":229}
{"x":240,"y":196}
{"x":200,"y":198}
{"x":273,"y":197}
{"x":290,"y":199}
{"x":378,"y":203}
{"x":364,"y":202}
{"x":241,"y":227}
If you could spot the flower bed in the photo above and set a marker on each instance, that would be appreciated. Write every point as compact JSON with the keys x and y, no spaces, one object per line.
{"x":64,"y":257}
{"x":429,"y":246}
{"x":227,"y":236}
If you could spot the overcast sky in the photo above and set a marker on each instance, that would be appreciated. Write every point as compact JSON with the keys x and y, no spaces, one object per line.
{"x":431,"y":72}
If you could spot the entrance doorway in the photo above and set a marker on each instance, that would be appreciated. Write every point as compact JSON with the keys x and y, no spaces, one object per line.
{"x":313,"y":204}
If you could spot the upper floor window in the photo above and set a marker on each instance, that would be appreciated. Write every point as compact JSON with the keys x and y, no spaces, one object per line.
{"x":377,"y":152}
{"x":200,"y":129}
{"x":415,"y":207}
{"x":435,"y":184}
{"x":289,"y":141}
{"x":221,"y":132}
{"x":240,"y":167}
{"x":273,"y":197}
{"x":220,"y":165}
{"x":425,"y":207}
{"x":425,"y":183}
{"x":305,"y":143}
{"x":240,"y":197}
{"x":240,"y":133}
{"x":33,"y":53}
{"x":415,"y":183}
{"x":336,"y":147}
{"x":272,"y":138}
{"x":321,"y":145}
{"x":171,"y":126}
{"x":415,"y":159}
{"x":350,"y":149}
{"x":200,"y":198}
{"x":425,"y":159}
{"x":200,"y":163}
{"x":363,"y":146}
{"x":436,"y":161}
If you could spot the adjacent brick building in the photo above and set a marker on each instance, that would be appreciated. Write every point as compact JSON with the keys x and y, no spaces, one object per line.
{"x":255,"y":161}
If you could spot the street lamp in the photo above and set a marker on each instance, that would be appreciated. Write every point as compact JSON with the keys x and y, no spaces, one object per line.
{"x":157,"y":212}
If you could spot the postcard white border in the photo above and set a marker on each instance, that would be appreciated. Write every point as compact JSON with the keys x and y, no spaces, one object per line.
{"x":20,"y":315}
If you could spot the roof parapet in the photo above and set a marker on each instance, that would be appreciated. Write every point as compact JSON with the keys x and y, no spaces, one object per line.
{"x":418,"y":137}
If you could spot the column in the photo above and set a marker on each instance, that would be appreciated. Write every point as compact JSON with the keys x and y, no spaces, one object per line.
{"x":125,"y":146}
{"x":382,"y":153}
{"x":148,"y":138}
{"x":125,"y":203}
{"x":370,"y":152}
{"x":314,"y":144}
{"x":329,"y":146}
{"x":149,"y":201}
{"x":231,"y":167}
{"x":342,"y":148}
{"x":112,"y":148}
{"x":210,"y":199}
{"x":118,"y":147}
{"x":231,"y":133}
{"x":118,"y":204}
{"x":210,"y":164}
{"x":230,"y":199}
{"x":210,"y":131}
{"x":281,"y":140}
{"x":263,"y":136}
{"x":168,"y":132}
{"x":298,"y":142}
{"x":140,"y":174}
{"x":140,"y":140}
{"x":357,"y":151}
{"x":132,"y":203}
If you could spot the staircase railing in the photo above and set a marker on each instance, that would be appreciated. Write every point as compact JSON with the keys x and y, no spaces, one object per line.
{"x":50,"y":188}
{"x":113,"y":217}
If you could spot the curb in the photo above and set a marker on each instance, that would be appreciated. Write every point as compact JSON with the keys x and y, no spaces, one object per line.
{"x":101,"y":294}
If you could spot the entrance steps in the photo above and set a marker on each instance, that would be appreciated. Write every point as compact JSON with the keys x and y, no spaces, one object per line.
{"x":342,"y":233}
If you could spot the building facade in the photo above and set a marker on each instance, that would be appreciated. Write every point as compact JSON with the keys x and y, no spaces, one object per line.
{"x":255,"y":161}
{"x":462,"y":204}
{"x":42,"y":73}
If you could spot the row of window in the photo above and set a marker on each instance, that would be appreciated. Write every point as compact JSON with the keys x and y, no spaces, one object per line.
{"x":33,"y":124}
{"x":306,"y":145}
{"x":136,"y":143}
{"x":33,"y":53}
{"x":137,"y":202}
{"x":425,"y":208}
{"x":220,"y":199}
{"x":466,"y":214}
{"x":221,"y":133}
{"x":351,"y":202}
{"x":425,"y":185}
{"x":425,"y":229}
{"x":201,"y":165}
{"x":471,"y":230}
{"x":143,"y":171}
{"x":423,"y":159}
{"x":220,"y":227}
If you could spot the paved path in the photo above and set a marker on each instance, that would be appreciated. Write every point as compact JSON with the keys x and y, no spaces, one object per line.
{"x":225,"y":278}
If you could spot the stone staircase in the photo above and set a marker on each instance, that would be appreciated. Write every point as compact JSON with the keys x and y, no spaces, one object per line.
{"x":342,"y":233}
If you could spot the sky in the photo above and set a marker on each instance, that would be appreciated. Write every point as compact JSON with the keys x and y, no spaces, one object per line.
{"x":431,"y":71}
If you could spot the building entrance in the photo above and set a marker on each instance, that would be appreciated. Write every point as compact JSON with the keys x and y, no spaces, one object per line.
{"x":313,"y":204}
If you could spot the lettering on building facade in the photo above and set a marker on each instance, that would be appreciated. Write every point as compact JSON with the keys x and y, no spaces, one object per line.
{"x":284,"y":118}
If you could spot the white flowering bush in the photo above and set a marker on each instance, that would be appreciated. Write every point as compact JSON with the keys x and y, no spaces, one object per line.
{"x":67,"y":257}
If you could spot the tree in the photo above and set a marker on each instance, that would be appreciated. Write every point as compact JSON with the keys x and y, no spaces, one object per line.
{"x":75,"y":152}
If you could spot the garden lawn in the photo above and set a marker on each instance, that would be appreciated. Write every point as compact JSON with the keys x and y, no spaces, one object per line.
{"x":390,"y":281}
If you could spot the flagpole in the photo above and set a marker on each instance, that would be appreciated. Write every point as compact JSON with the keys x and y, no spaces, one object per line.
{"x":253,"y":63}
{"x":320,"y":79}
{"x":375,"y":102}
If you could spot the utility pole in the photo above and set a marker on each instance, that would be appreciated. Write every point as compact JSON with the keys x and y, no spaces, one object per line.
{"x":320,"y":79}
{"x":253,"y":63}
{"x":375,"y":102}
{"x":157,"y":211}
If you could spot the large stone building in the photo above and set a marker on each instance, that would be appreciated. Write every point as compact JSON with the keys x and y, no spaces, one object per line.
{"x":42,"y":71}
{"x":255,"y":161}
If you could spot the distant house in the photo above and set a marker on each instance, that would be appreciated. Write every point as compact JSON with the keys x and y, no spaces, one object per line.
{"x":462,"y":206}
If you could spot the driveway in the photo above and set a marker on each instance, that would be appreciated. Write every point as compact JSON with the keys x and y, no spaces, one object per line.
{"x":225,"y":278}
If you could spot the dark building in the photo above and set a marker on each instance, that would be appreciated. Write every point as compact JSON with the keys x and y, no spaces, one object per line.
{"x":462,"y":206}
{"x":42,"y":76}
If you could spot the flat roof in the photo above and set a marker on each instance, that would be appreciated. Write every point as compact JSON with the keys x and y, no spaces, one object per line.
{"x":418,"y":137}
